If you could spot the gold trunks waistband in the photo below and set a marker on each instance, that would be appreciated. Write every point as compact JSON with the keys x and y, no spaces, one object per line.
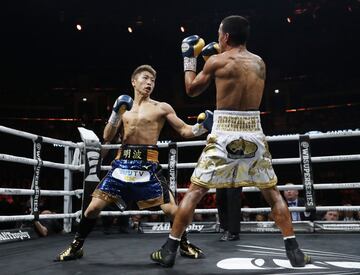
{"x":139,"y":152}
{"x":234,"y":121}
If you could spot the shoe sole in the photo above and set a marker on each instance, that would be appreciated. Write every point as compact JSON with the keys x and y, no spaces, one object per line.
{"x":185,"y":254}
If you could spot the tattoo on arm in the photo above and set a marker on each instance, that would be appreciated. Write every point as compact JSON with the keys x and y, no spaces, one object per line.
{"x":262,"y":71}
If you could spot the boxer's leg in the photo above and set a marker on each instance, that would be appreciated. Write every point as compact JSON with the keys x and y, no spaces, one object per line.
{"x":86,"y":225}
{"x":281,"y":216}
{"x":166,"y":255}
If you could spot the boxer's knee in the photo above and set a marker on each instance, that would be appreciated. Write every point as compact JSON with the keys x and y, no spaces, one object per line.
{"x":94,"y":208}
{"x":169,"y":209}
{"x":195,"y":193}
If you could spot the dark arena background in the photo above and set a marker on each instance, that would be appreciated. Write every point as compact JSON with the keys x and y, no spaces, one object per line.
{"x":63,"y":63}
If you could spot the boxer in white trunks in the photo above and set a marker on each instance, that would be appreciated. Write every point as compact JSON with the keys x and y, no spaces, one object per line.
{"x":236,"y":153}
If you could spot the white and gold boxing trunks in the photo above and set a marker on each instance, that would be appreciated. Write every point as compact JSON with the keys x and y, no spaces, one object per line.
{"x":236,"y":153}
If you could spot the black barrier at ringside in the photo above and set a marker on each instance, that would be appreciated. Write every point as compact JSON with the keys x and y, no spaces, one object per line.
{"x":36,"y":179}
{"x":307,"y":173}
{"x":172,"y":171}
{"x":16,"y":235}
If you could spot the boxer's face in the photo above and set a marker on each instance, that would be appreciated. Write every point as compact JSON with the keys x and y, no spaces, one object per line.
{"x":222,"y":39}
{"x":144,"y":83}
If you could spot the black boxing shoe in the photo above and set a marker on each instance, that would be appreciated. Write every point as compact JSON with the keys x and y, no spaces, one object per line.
{"x":227,"y":236}
{"x":297,"y":258}
{"x":73,"y":252}
{"x":164,"y":257}
{"x":189,"y":250}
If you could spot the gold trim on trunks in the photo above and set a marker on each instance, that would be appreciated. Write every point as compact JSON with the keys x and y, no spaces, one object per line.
{"x":151,"y":202}
{"x":104,"y":196}
{"x":260,"y":185}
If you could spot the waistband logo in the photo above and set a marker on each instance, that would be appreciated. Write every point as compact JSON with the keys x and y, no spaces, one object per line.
{"x":237,"y":123}
{"x":127,"y":175}
{"x":133,"y":154}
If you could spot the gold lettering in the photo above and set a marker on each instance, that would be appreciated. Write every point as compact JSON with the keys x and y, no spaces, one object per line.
{"x":136,"y":154}
{"x":236,"y":123}
{"x":127,"y":153}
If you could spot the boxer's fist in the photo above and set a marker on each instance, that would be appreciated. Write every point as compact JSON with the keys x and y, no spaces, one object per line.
{"x":191,"y":48}
{"x":210,"y":49}
{"x":204,"y":123}
{"x":192,"y":45}
{"x":122,"y":103}
{"x":206,"y":119}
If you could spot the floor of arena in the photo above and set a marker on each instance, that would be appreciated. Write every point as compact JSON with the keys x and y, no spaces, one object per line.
{"x":129,"y":254}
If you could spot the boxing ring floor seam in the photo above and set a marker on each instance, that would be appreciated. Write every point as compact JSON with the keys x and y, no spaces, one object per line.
{"x":129,"y":254}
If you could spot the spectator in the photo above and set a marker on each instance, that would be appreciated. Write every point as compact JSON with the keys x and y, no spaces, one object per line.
{"x":46,"y":227}
{"x":348,"y":215}
{"x":331,"y":215}
{"x":43,"y":227}
{"x":245,"y":216}
{"x":260,"y":217}
{"x":293,"y":200}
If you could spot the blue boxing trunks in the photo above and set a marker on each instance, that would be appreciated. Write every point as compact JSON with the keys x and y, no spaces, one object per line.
{"x":236,"y":153}
{"x":135,"y":176}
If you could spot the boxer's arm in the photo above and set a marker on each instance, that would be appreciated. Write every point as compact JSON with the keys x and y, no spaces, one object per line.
{"x":203,"y":125}
{"x":108,"y":135}
{"x":110,"y":131}
{"x":185,"y":130}
{"x":197,"y":84}
{"x":122,"y":104}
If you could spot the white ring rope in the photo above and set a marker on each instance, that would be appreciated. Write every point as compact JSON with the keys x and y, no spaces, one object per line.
{"x":79,"y":192}
{"x":333,"y":134}
{"x":318,"y":135}
{"x":245,"y":210}
{"x":41,"y":217}
{"x":28,"y":161}
{"x":30,"y":192}
{"x":320,"y":186}
{"x":44,"y":139}
{"x":44,"y":163}
{"x":197,"y":211}
{"x":338,"y":158}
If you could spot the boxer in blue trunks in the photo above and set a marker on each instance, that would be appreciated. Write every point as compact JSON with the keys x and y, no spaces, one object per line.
{"x":136,"y":174}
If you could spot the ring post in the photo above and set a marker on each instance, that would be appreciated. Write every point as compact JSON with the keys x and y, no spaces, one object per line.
{"x":92,"y":159}
{"x":172,"y":170}
{"x":307,"y":176}
{"x":67,"y":187}
{"x":36,"y":179}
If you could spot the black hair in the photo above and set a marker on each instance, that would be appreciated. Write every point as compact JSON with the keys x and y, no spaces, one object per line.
{"x":142,"y":68}
{"x":238,"y":28}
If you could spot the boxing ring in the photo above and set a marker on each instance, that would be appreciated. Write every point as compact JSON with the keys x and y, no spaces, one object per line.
{"x":332,"y":245}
